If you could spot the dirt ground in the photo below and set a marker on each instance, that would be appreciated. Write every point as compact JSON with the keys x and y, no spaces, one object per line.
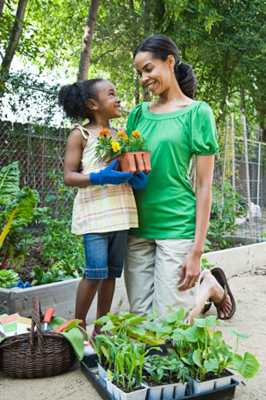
{"x":250,"y":292}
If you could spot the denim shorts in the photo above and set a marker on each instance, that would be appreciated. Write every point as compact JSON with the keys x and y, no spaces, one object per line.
{"x":104,"y":254}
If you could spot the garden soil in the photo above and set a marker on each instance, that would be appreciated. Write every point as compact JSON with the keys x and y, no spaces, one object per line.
{"x":250,"y":293}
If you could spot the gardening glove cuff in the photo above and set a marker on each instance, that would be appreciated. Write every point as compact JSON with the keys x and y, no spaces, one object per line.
{"x":110,"y":175}
{"x":138,"y":181}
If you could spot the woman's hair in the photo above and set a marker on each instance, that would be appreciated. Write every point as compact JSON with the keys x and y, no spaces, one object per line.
{"x":73,"y":98}
{"x":161,"y":47}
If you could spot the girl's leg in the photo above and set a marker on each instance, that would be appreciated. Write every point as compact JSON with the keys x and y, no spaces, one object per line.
{"x":117,"y":246}
{"x":85,"y":294}
{"x":105,"y":296}
{"x":96,"y":270}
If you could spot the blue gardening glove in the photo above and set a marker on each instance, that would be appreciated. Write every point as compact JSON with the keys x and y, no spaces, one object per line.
{"x":109,"y":175}
{"x":138,"y":181}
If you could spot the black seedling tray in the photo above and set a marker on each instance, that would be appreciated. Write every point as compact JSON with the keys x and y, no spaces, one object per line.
{"x":89,"y":369}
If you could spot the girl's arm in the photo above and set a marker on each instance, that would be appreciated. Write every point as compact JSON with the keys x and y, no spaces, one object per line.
{"x":73,"y":155}
{"x":204,"y":173}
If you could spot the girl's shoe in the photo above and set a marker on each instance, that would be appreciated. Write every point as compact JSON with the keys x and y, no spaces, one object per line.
{"x":88,"y":349}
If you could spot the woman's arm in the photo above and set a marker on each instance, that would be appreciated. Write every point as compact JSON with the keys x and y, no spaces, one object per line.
{"x":73,"y":155}
{"x":204,"y":173}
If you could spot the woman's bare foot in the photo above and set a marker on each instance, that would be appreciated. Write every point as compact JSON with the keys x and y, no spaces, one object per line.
{"x":210,"y":289}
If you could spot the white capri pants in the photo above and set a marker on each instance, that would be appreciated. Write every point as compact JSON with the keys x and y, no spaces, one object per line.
{"x":152,"y":272}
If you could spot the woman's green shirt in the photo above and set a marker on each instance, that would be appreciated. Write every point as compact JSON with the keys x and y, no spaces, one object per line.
{"x":167,"y":206}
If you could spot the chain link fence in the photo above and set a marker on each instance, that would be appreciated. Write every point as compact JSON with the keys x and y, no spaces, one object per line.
{"x":40,"y":152}
{"x":242,"y":163}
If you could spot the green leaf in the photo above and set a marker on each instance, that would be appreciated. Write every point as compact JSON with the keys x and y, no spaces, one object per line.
{"x":240,"y":335}
{"x":211,"y":365}
{"x":9,"y":183}
{"x":197,"y":358}
{"x":247,"y":365}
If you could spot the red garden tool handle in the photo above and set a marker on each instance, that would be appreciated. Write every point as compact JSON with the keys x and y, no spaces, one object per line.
{"x":48,"y":315}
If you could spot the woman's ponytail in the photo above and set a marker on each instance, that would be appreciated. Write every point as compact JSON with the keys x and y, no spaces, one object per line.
{"x":186,"y":79}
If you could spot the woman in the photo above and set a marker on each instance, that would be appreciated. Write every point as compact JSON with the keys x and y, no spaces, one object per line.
{"x":163,"y":262}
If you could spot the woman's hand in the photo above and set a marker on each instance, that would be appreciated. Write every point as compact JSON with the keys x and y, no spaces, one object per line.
{"x":190,"y":271}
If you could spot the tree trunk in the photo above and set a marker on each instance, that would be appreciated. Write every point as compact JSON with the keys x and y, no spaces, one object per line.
{"x":136,"y":88}
{"x":2,"y":3}
{"x":87,"y":40}
{"x":147,"y":31}
{"x":14,"y":36}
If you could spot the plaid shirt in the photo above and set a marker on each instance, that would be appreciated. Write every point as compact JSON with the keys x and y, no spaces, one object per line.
{"x":101,"y":208}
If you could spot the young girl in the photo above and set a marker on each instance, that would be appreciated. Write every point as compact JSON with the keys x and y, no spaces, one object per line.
{"x":104,"y":207}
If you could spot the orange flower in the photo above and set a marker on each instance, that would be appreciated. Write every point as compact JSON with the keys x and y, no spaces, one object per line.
{"x":122,"y":135}
{"x":136,"y":134}
{"x":104,"y":132}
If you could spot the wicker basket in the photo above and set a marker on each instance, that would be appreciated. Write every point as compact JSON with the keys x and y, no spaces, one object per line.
{"x":36,"y":354}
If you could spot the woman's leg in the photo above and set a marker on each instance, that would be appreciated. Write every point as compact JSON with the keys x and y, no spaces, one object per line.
{"x":139,"y":274}
{"x":209,"y":289}
{"x":170,"y":254}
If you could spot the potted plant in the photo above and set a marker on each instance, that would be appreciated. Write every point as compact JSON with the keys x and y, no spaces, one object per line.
{"x":166,"y":376}
{"x":208,"y":357}
{"x":136,"y":327}
{"x":106,"y":349}
{"x":129,"y":150}
{"x":125,"y":380}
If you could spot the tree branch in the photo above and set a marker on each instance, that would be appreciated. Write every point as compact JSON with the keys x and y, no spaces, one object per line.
{"x":87,"y":41}
{"x":14,"y":36}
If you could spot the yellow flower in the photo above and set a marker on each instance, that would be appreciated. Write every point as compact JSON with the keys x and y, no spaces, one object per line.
{"x":115,"y":146}
{"x":121,"y":133}
{"x":104,"y":132}
{"x":136,"y":134}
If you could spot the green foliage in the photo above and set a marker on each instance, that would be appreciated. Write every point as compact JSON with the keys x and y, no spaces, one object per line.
{"x":224,"y":41}
{"x":57,"y":272}
{"x":247,"y":365}
{"x":131,"y":325}
{"x":205,"y":264}
{"x":29,"y":98}
{"x":55,"y":254}
{"x":9,"y":183}
{"x":106,"y":348}
{"x":60,"y":245}
{"x":124,"y":360}
{"x":8,"y":278}
{"x":163,"y":369}
{"x":18,"y":208}
{"x":227,"y":205}
{"x":197,"y":350}
{"x":205,"y":352}
{"x":128,"y":366}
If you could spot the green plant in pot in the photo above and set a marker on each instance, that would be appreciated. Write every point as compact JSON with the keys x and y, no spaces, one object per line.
{"x":129,"y":150}
{"x":131,"y":325}
{"x":126,"y":377}
{"x":166,"y":376}
{"x":209,"y":357}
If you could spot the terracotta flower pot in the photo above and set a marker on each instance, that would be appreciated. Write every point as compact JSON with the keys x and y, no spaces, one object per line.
{"x":137,"y":161}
